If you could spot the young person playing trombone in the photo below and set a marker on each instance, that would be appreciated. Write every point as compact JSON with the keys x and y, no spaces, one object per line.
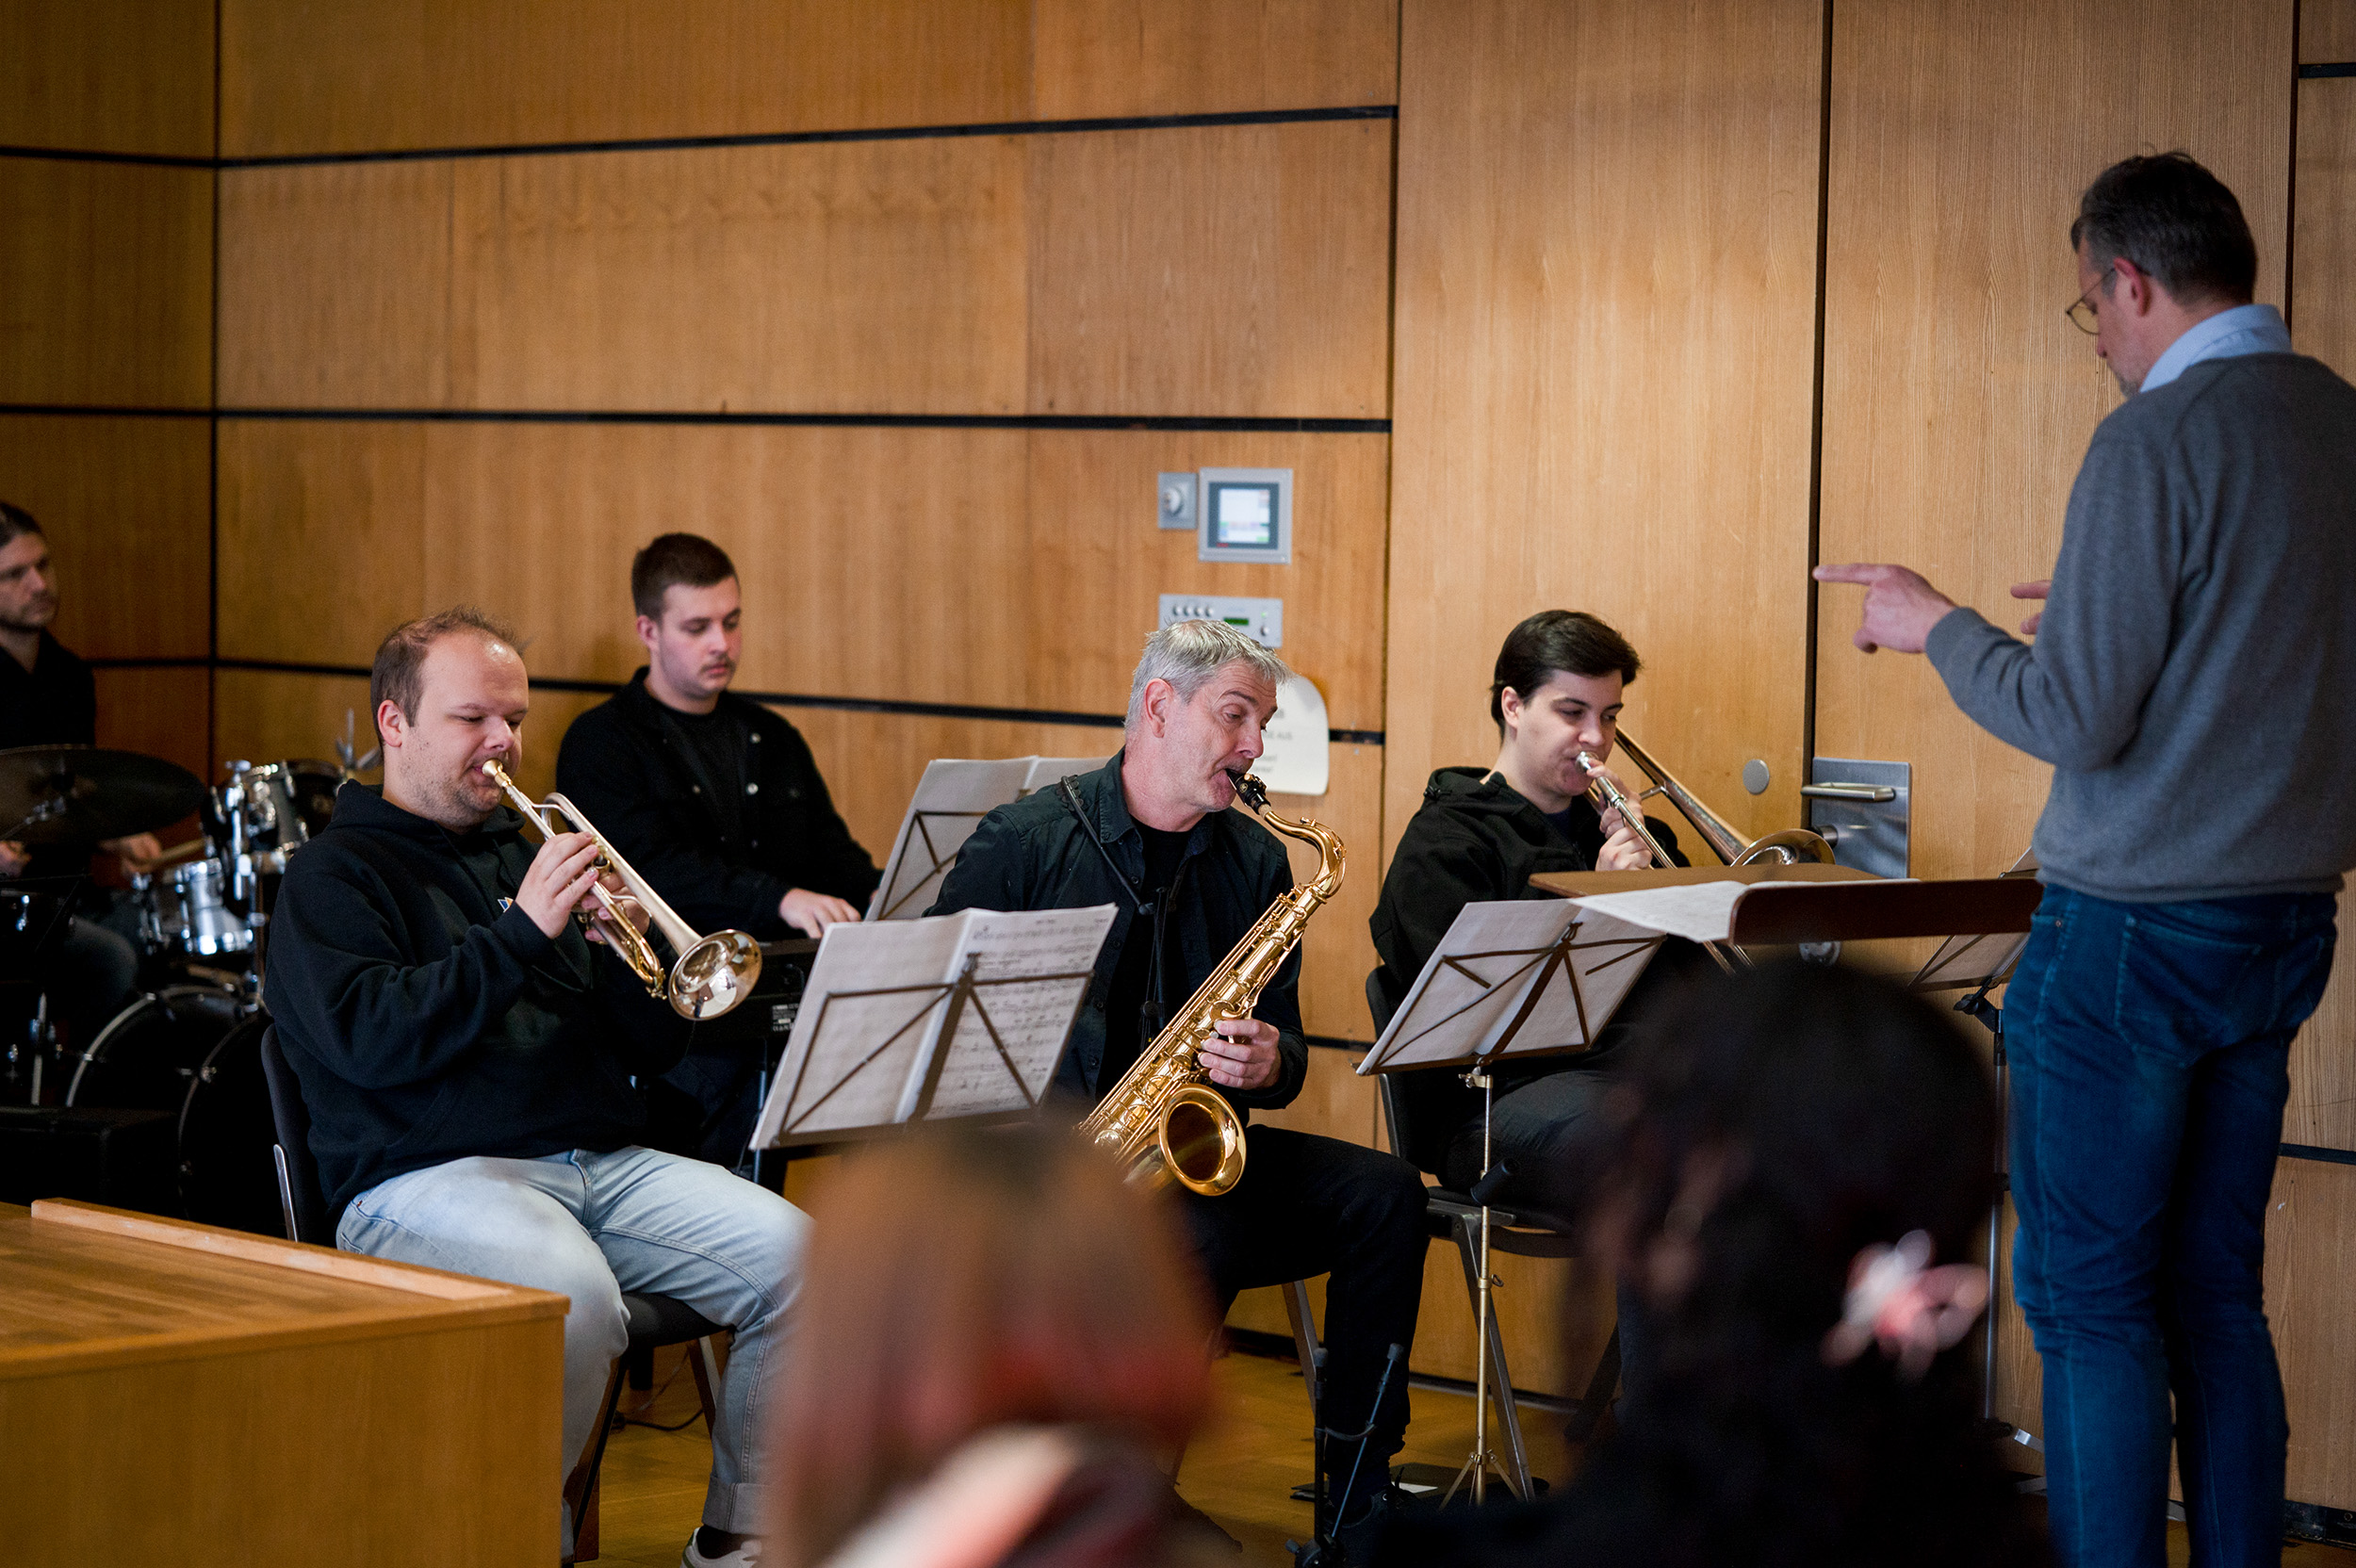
{"x":1480,"y":835}
{"x":465,"y":1049}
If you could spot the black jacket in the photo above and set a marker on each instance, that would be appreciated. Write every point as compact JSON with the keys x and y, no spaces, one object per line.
{"x":427,"y":1023}
{"x":53,"y":704}
{"x":644,"y":789}
{"x":1036,"y":854}
{"x":1473,"y":838}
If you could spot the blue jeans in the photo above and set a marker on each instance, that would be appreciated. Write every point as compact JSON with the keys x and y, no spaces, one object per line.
{"x":591,"y":1226}
{"x":2150,"y":1045}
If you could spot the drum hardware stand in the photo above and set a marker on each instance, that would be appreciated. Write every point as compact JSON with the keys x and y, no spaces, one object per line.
{"x":1477,"y":1463}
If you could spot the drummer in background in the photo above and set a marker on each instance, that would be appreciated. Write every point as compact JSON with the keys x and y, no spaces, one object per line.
{"x":715,"y":800}
{"x":47,"y":698}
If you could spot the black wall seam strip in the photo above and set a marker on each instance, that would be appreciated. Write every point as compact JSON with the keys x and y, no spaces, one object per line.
{"x":790,"y":138}
{"x":85,"y":154}
{"x":2308,"y":1150}
{"x":107,"y":410}
{"x":779,"y":699}
{"x":1276,"y":424}
{"x":2338,"y":68}
{"x":161,"y":661}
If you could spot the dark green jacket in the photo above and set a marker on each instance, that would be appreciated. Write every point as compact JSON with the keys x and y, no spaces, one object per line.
{"x":1038,"y":854}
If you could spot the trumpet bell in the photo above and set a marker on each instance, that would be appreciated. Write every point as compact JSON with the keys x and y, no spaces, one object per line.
{"x":714,"y":975}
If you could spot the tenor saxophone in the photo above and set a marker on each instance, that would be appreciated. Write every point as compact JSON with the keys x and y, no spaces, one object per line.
{"x":1163,"y":1120}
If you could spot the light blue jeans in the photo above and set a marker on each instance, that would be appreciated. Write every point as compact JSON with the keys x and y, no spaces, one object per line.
{"x":592,"y":1226}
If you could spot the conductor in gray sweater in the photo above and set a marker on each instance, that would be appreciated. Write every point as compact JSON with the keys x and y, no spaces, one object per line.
{"x":2193,"y":683}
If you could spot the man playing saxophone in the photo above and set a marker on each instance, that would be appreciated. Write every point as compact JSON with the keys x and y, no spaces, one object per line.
{"x":1151,"y":833}
{"x":466,"y":1056}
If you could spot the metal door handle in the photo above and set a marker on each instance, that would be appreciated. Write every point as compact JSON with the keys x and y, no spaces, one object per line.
{"x":1879,"y":792}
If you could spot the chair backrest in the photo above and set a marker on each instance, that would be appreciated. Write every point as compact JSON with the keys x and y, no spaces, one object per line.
{"x":299,"y":1192}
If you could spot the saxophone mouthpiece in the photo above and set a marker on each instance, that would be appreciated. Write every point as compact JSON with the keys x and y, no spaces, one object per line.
{"x":1248,"y":789}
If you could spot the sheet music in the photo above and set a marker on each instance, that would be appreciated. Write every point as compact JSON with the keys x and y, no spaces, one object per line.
{"x":1045,"y":771}
{"x":880,"y":985}
{"x":1015,"y":1030}
{"x":1497,"y":973}
{"x":949,"y":804}
{"x":1699,"y":912}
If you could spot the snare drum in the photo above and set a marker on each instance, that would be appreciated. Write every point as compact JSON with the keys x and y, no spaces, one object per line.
{"x":190,"y":915}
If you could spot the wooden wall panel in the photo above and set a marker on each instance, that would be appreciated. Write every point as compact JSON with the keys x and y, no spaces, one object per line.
{"x":126,"y":504}
{"x":990,"y":568}
{"x":1958,"y":403}
{"x":263,"y":716}
{"x":1605,"y":317}
{"x":2327,"y":31}
{"x":1105,"y":58}
{"x":1093,"y":542}
{"x":121,"y":77}
{"x":1228,"y":269}
{"x":2323,"y":264}
{"x":871,"y":277}
{"x":105,"y":284}
{"x":347,"y":75}
{"x":2311,"y":1253}
{"x":335,"y":286}
{"x":876,"y":563}
{"x":163,"y":711}
{"x":321,"y":538}
{"x":2323,"y":323}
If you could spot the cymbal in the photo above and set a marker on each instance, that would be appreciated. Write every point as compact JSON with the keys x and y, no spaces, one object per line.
{"x":67,"y":795}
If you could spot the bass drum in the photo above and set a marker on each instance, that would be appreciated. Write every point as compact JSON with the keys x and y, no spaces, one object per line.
{"x":148,"y":1054}
{"x":227,"y":1176}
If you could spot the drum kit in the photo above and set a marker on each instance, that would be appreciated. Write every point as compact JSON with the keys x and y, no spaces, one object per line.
{"x":190,"y":1040}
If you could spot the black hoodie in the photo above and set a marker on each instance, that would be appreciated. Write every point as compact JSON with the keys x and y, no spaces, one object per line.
{"x":428,"y":1018}
{"x":1475,"y":839}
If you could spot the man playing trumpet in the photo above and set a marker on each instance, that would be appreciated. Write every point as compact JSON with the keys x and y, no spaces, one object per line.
{"x":465,"y":1050}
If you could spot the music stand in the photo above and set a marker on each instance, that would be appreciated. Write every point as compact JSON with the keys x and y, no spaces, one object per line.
{"x":1515,"y":977}
{"x":1984,"y":920}
{"x":930,"y":1019}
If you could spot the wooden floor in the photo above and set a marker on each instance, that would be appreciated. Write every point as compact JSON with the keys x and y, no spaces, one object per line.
{"x":1241,"y":1471}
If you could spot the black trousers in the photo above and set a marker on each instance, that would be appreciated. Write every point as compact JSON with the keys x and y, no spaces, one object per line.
{"x":1311,"y":1205}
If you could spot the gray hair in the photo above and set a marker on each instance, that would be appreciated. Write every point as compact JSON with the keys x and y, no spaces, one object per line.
{"x":1189,"y":653}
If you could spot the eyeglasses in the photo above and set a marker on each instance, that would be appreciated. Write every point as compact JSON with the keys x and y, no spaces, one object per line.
{"x":2081,"y":313}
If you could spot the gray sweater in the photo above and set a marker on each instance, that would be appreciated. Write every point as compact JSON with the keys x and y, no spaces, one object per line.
{"x":2194,"y":679}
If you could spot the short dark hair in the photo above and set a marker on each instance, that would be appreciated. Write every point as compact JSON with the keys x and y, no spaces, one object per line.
{"x":15,"y":520}
{"x":2176,"y":221}
{"x":399,"y":672}
{"x":1552,"y":639}
{"x":689,"y":560}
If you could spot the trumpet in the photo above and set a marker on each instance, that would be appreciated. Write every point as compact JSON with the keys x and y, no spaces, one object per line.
{"x":713,"y":974}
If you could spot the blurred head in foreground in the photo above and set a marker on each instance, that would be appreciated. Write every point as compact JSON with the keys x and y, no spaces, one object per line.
{"x":1782,"y":1131}
{"x":970,"y":1280}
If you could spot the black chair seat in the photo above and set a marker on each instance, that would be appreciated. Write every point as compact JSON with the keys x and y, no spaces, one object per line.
{"x":659,"y":1321}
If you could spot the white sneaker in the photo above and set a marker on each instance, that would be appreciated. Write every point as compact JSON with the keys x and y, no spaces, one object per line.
{"x":747,"y":1555}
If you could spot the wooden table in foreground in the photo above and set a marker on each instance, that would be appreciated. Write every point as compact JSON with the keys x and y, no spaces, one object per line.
{"x":174,"y":1393}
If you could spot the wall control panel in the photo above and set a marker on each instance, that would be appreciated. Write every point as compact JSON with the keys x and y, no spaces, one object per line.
{"x":1261,"y":620}
{"x":1247,"y":514}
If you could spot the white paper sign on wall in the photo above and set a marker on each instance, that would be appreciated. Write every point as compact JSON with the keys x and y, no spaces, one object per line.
{"x":1298,"y":741}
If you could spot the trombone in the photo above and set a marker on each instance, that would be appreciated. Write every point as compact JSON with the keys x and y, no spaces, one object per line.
{"x":713,"y":974}
{"x":1785,"y":847}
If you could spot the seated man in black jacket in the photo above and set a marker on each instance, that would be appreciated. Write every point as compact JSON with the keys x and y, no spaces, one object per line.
{"x":1479,"y":836}
{"x":717,"y":802}
{"x":1149,"y":832}
{"x":465,"y":1054}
